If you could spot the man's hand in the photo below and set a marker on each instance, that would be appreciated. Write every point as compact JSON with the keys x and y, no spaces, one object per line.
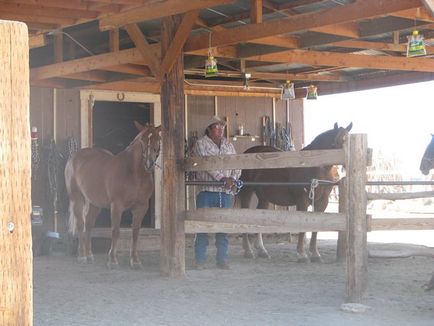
{"x":229,"y":182}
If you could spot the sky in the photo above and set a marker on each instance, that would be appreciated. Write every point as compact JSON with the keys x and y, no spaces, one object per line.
{"x":398,"y":120}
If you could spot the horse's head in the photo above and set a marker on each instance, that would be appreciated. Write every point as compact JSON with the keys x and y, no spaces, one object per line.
{"x":331,"y":139}
{"x":149,"y":138}
{"x":427,"y":162}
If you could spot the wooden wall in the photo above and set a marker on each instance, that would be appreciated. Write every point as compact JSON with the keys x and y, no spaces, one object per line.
{"x":247,"y":111}
{"x":238,"y":110}
{"x":44,"y":110}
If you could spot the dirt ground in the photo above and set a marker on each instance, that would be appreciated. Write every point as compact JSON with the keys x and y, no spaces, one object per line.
{"x":278,"y":291}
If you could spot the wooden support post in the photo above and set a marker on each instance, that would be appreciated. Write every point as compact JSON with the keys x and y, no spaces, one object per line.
{"x":172,"y":253}
{"x":357,"y":256}
{"x":341,"y":250}
{"x":16,"y":299}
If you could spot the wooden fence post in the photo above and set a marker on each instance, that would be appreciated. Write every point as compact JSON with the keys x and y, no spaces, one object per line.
{"x":357,"y":256}
{"x":16,"y":299}
{"x":172,"y":252}
{"x":341,"y":250}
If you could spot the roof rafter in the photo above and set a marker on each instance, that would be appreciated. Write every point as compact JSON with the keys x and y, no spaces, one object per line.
{"x":343,"y":14}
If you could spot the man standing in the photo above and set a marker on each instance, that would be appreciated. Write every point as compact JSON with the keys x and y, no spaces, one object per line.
{"x":213,"y":143}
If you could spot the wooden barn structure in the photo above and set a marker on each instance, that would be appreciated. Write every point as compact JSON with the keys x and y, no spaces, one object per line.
{"x":96,"y":65}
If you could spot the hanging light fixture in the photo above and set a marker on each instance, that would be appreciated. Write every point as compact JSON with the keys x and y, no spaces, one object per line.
{"x":210,"y":62}
{"x":415,"y":45}
{"x":288,"y":92}
{"x":312,"y":93}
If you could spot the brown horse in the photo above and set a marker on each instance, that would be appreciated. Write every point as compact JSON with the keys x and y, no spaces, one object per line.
{"x":292,"y":195}
{"x":95,"y":179}
{"x":426,"y":164}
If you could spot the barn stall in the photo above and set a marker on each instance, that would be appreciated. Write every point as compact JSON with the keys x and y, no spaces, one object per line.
{"x":86,"y":55}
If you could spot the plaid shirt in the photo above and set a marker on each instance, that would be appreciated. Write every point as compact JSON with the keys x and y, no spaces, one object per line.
{"x":206,"y":147}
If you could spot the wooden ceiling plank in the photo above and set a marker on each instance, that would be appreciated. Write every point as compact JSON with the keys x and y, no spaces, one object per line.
{"x":315,"y":58}
{"x":85,"y":64}
{"x":175,"y":48}
{"x":144,"y":47}
{"x":40,"y":10}
{"x":70,"y":4}
{"x":155,"y":10}
{"x":36,"y":19}
{"x":341,"y":14}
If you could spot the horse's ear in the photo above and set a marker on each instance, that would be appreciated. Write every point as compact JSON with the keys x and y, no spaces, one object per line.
{"x":335,"y":126}
{"x":348,"y":128}
{"x":138,"y":126}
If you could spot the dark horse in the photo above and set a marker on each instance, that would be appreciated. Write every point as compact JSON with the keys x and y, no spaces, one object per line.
{"x":292,"y":195}
{"x":95,"y":179}
{"x":426,"y":164}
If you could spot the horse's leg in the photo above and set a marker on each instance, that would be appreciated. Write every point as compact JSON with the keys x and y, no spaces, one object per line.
{"x":248,"y":251}
{"x":302,"y":257}
{"x":138,"y":215}
{"x":90,"y":223}
{"x":259,"y":244}
{"x":77,"y":208}
{"x":116,"y":214}
{"x":244,"y":198}
{"x":320,"y":206}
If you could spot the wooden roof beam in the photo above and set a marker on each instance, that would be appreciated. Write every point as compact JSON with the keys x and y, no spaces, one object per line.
{"x":45,"y":11}
{"x":429,"y":5}
{"x":145,"y":49}
{"x":342,"y":14}
{"x":255,"y":11}
{"x":153,"y":10}
{"x":315,"y":58}
{"x":36,"y":41}
{"x":85,"y":64}
{"x":175,"y":48}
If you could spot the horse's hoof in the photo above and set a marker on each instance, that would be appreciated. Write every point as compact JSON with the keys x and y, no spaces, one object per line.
{"x":302,"y":259}
{"x":90,"y":259}
{"x":316,"y":259}
{"x":112,"y":265}
{"x":249,"y":255}
{"x":136,"y":265}
{"x":82,"y":259}
{"x":263,"y":254}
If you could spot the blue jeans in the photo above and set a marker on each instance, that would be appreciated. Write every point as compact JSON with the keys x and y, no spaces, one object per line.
{"x":212,"y":199}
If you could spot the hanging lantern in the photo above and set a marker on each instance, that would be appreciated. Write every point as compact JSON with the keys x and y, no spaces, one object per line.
{"x":210,"y":66}
{"x":415,"y":45}
{"x":312,"y":93}
{"x":288,"y":92}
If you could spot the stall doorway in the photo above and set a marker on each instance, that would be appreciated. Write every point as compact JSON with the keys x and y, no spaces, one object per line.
{"x":113,"y":129}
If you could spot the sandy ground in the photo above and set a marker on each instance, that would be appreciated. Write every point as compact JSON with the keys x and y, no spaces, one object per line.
{"x":278,"y":291}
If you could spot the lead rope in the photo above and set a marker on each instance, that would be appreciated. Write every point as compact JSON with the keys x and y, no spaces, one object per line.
{"x":314,"y":183}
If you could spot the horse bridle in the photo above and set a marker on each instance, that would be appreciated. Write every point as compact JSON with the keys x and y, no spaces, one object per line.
{"x":146,"y":153}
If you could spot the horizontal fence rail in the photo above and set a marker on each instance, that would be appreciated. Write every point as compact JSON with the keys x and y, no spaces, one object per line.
{"x":261,"y":219}
{"x":258,"y":183}
{"x":311,"y":158}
